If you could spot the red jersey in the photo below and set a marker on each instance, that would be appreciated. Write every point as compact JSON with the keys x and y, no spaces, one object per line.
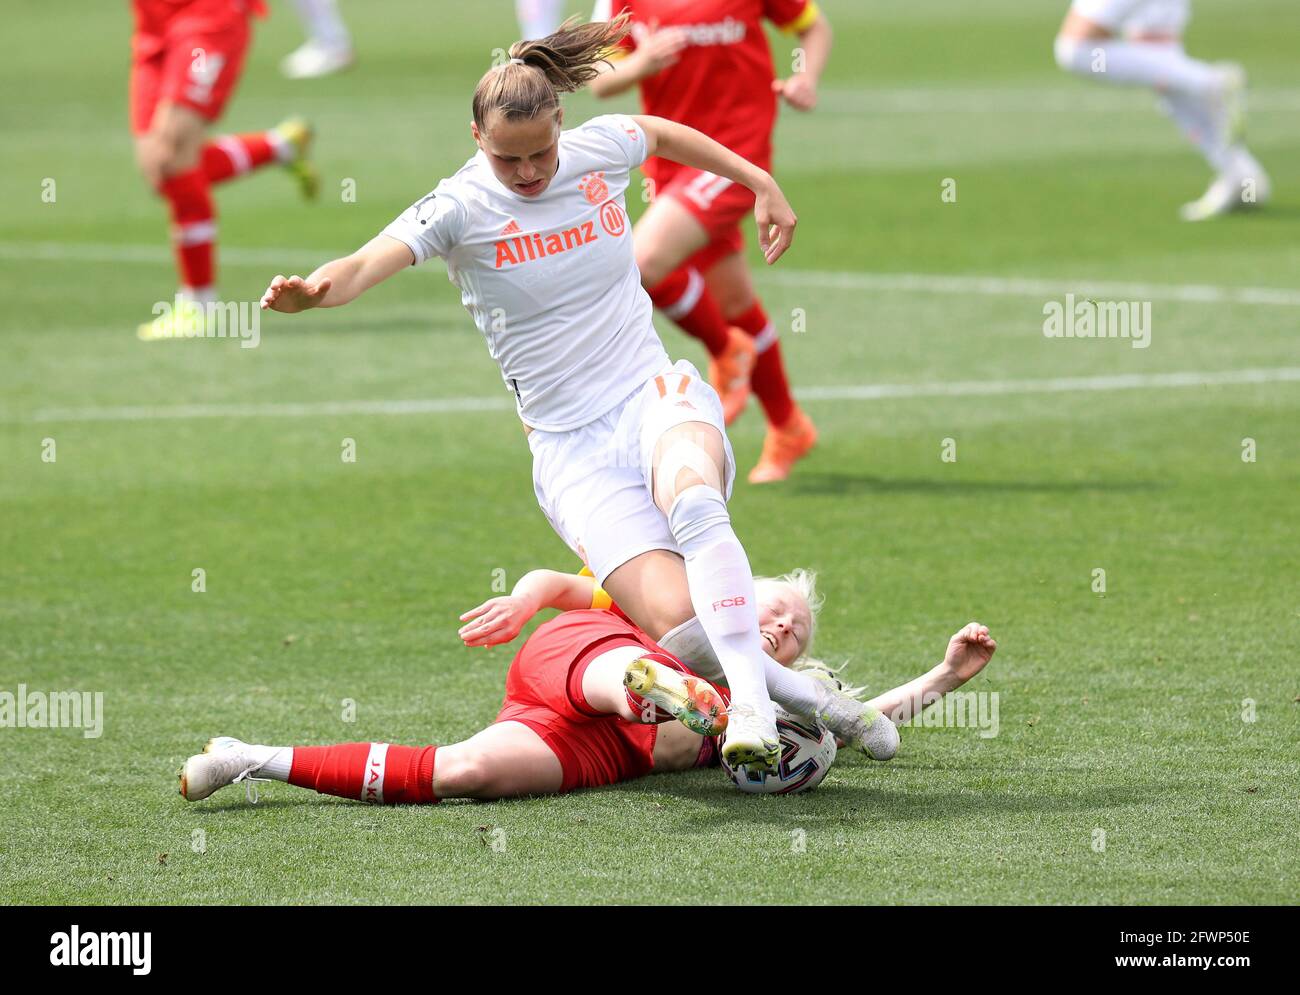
{"x":187,"y":52}
{"x":722,"y":82}
{"x":151,"y":15}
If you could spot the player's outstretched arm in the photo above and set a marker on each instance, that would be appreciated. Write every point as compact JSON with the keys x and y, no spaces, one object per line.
{"x":340,"y":280}
{"x":776,"y":219}
{"x":499,"y":620}
{"x":968,"y":652}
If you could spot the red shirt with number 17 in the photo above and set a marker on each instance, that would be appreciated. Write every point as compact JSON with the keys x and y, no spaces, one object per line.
{"x":722,"y":82}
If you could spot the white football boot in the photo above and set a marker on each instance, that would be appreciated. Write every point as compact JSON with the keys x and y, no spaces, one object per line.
{"x":1242,"y":185}
{"x":1243,"y":182}
{"x":312,"y":60}
{"x":856,"y":722}
{"x":224,"y":760}
{"x":751,"y":740}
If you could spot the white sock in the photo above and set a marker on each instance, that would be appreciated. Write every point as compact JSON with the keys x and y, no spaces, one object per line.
{"x":1199,"y":126}
{"x":722,"y":591}
{"x":198,"y":295}
{"x":1163,"y":66}
{"x":793,"y":690}
{"x":323,"y":23}
{"x":690,"y":644}
{"x":538,"y":18}
{"x":276,"y":761}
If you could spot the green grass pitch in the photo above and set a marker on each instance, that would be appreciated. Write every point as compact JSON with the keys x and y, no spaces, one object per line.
{"x":1163,"y":712}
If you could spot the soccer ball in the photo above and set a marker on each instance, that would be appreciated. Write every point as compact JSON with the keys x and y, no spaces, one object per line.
{"x":807,"y":752}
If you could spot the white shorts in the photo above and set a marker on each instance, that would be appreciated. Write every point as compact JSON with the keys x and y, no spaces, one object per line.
{"x":594,"y":483}
{"x":1136,"y":17}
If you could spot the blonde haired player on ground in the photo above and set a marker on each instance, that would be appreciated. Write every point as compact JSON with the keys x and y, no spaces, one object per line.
{"x":787,"y":609}
{"x":1140,"y":42}
{"x":631,"y":462}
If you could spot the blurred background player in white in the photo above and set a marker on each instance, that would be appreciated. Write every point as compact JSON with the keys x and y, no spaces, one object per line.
{"x":538,"y":18}
{"x":1139,"y":42}
{"x":631,"y":463}
{"x":328,"y":48}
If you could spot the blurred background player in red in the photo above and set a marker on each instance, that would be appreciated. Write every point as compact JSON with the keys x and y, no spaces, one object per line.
{"x":186,"y":59}
{"x":707,"y":64}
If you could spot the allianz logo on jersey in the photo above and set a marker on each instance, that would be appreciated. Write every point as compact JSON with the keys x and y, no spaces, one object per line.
{"x":728,"y":31}
{"x":523,"y":247}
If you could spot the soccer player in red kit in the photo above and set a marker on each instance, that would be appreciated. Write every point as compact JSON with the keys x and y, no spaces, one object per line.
{"x":186,"y":59}
{"x":707,"y":64}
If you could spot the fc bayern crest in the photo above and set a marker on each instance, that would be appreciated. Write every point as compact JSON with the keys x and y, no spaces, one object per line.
{"x":594,"y":188}
{"x":612,"y":218}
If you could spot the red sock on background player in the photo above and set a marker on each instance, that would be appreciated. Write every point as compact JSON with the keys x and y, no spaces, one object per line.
{"x":683,"y":297}
{"x":235,"y":155}
{"x":194,"y":230}
{"x":377,"y":773}
{"x":768,"y":379}
{"x":189,"y":197}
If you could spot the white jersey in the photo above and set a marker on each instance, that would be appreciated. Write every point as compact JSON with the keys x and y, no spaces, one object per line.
{"x":551,"y":281}
{"x":1155,"y":17}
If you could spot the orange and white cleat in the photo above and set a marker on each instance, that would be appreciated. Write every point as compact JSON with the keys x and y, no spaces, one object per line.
{"x":692,"y":701}
{"x":730,"y":372}
{"x":784,"y":447}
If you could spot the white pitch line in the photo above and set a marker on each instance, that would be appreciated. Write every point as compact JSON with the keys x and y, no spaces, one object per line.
{"x":1051,"y":385}
{"x":1077,"y":99}
{"x":925,"y":283}
{"x":1040,"y":289}
{"x":847,"y":392}
{"x":431,"y":406}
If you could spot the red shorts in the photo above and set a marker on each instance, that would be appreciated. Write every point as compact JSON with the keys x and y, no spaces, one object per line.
{"x":190,"y":54}
{"x":719,"y":204}
{"x":544,"y":692}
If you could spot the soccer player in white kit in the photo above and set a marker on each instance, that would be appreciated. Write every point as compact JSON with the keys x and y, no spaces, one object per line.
{"x":1140,"y":42}
{"x":631,"y":462}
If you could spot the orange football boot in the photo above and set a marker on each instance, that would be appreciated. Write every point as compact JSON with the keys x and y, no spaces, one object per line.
{"x":783,"y":447}
{"x":730,"y":372}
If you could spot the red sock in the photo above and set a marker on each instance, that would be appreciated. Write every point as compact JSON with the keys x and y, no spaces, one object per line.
{"x":194,"y":228}
{"x":235,"y":155}
{"x":370,"y":772}
{"x":768,"y":378}
{"x":683,"y":297}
